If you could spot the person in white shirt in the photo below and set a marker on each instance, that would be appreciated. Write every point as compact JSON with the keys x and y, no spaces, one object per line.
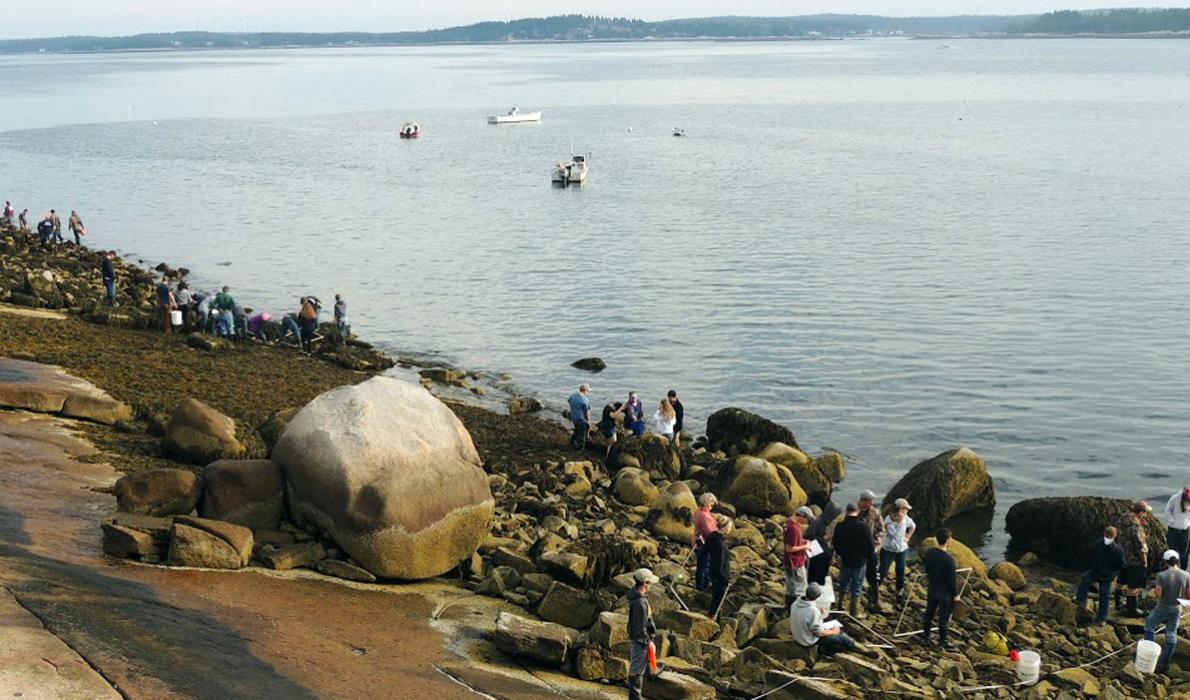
{"x":1177,"y":517}
{"x":894,"y":547}
{"x":665,"y":419}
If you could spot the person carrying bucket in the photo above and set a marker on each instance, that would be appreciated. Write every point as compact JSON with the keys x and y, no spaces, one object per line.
{"x":1171,"y":584}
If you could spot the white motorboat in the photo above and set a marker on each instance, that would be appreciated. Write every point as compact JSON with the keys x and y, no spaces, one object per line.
{"x":410,"y":130}
{"x":515,"y":116}
{"x":572,"y":173}
{"x":678,"y":131}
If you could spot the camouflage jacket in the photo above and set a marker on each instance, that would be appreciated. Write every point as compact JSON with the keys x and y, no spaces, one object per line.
{"x":1131,"y":536}
{"x":871,"y":517}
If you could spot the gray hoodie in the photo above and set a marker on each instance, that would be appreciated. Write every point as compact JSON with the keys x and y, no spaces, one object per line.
{"x":805,"y":622}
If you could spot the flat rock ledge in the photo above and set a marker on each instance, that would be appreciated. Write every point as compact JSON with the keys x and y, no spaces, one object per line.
{"x":31,"y":386}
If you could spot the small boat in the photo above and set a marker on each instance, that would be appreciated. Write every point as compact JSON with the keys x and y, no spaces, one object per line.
{"x":515,"y":116}
{"x":679,"y":131}
{"x":410,"y":130}
{"x":572,"y":173}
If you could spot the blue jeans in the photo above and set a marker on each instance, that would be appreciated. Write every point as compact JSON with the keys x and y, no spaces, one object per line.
{"x":702,"y":571}
{"x":638,"y":428}
{"x":835,"y":644}
{"x":1084,"y":589}
{"x":226,"y":324}
{"x":886,"y":559}
{"x":851,"y":580}
{"x":579,"y":439}
{"x":342,"y":324}
{"x":1169,"y":617}
{"x":288,"y":325}
{"x":110,"y":285}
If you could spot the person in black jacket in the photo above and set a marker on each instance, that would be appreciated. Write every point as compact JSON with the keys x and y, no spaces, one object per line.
{"x":853,"y":543}
{"x":719,"y":564}
{"x":943,"y":590}
{"x":1106,"y":563}
{"x":822,"y":529}
{"x":641,"y":631}
{"x":107,"y":267}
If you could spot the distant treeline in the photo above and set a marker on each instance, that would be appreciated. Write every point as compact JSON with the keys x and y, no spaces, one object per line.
{"x":590,"y":28}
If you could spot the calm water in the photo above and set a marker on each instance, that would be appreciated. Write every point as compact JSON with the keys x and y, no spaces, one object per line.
{"x":892,"y":247}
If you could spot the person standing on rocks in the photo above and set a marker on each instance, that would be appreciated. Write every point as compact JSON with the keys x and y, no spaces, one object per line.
{"x":57,"y":222}
{"x":1135,"y":541}
{"x":853,"y":544}
{"x":634,"y":415}
{"x":225,"y":304}
{"x":641,"y":631}
{"x":795,"y":555}
{"x":185,"y":300}
{"x":308,"y":318}
{"x":898,"y":531}
{"x":808,"y":629}
{"x":341,"y":317}
{"x":1177,"y":518}
{"x":1171,"y":584}
{"x":580,"y":416}
{"x":24,"y":221}
{"x":680,"y":412}
{"x":822,"y":530}
{"x":165,"y":305}
{"x":9,"y":212}
{"x":870,"y":514}
{"x":943,"y":590}
{"x":718,"y":562}
{"x":665,"y":419}
{"x":1106,"y":563}
{"x":45,"y":231}
{"x":107,"y":268}
{"x":704,"y":524}
{"x":77,"y":228}
{"x":607,"y":425}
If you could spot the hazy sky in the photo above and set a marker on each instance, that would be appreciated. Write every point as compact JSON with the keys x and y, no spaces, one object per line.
{"x":106,"y":17}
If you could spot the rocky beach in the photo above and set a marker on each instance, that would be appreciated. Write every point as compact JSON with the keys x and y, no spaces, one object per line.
{"x":187,"y":517}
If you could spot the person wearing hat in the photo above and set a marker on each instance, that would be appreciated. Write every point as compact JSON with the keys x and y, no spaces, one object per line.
{"x":1134,"y":540}
{"x":806,"y":626}
{"x":870,"y":514}
{"x":794,"y":561}
{"x":943,"y":589}
{"x":718,"y":561}
{"x":1106,"y":564}
{"x":898,"y":530}
{"x":853,"y":544}
{"x":1171,"y":584}
{"x":641,"y":631}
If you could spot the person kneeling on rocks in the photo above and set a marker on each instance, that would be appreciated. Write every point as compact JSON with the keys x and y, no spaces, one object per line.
{"x":641,"y":631}
{"x":808,"y":628}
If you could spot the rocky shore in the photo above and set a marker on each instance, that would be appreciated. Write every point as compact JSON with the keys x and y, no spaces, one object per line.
{"x":223,"y":446}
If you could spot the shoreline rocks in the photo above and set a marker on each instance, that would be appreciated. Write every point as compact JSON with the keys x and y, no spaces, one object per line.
{"x":1064,"y":530}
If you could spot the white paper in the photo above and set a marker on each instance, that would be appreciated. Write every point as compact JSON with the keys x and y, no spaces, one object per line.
{"x":832,"y":625}
{"x":815,"y":549}
{"x":1184,"y":603}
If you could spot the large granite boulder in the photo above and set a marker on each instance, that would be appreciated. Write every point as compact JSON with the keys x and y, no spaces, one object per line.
{"x":804,"y":468}
{"x":942,"y":487}
{"x":544,"y":641}
{"x":249,"y":492}
{"x":634,"y":487}
{"x":672,"y":513}
{"x":1064,"y":530}
{"x":736,"y":431}
{"x":964,"y":556}
{"x":158,"y":492}
{"x":391,"y":474}
{"x":650,"y":453}
{"x":199,"y":434}
{"x":758,"y":487}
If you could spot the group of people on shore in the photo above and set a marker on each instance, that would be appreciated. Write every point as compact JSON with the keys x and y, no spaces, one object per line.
{"x":667,"y":419}
{"x":49,"y":227}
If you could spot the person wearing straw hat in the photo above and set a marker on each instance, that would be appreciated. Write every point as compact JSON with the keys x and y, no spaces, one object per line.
{"x":641,"y":631}
{"x":1171,"y":585}
{"x":1132,"y":537}
{"x":898,"y":530}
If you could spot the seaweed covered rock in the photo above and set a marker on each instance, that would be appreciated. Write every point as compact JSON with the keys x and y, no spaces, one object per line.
{"x":1064,"y":530}
{"x":248,"y":492}
{"x":672,"y":513}
{"x":736,"y":431}
{"x":758,"y":487}
{"x":963,"y":555}
{"x":944,"y":486}
{"x":391,"y":474}
{"x":199,"y":434}
{"x":158,"y":492}
{"x":804,"y":468}
{"x":651,"y":453}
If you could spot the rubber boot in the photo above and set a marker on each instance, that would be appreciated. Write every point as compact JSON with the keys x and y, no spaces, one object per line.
{"x":853,"y":606}
{"x":874,"y":600}
{"x":1133,"y":609}
{"x":636,"y":686}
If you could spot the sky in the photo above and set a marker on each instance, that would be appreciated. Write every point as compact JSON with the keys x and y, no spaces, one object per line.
{"x":42,"y":18}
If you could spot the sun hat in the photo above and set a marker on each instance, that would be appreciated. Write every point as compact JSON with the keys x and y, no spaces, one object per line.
{"x":902,"y":503}
{"x":641,"y":575}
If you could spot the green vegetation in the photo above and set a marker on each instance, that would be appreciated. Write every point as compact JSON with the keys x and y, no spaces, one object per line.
{"x":1130,"y":21}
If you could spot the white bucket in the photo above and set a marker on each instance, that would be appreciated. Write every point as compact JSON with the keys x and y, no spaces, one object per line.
{"x":1028,"y":669}
{"x":1146,"y":656}
{"x":175,"y":317}
{"x":827,"y":598}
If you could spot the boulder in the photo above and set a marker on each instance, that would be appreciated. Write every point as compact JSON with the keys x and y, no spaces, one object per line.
{"x":595,"y":664}
{"x":158,"y":492}
{"x":794,"y":687}
{"x":199,"y":434}
{"x":736,"y":431}
{"x":391,"y":474}
{"x":687,"y":623}
{"x":209,"y":343}
{"x":609,"y":630}
{"x":1008,"y":573}
{"x":190,"y":546}
{"x":272,"y":429}
{"x":650,"y":453}
{"x":544,"y":641}
{"x":524,"y":404}
{"x":964,"y":557}
{"x":590,"y":364}
{"x":239,"y":538}
{"x":97,"y":407}
{"x":671,"y":514}
{"x":670,"y":685}
{"x":1057,"y":607}
{"x":1064,"y":530}
{"x":245,"y":492}
{"x":127,"y":543}
{"x":786,"y":456}
{"x":757,"y":487}
{"x":567,"y":606}
{"x":294,"y":556}
{"x":944,"y":486}
{"x":634,"y":487}
{"x":832,"y":466}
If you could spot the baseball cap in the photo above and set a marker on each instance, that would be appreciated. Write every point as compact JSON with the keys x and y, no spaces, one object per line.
{"x":867,"y":495}
{"x":641,"y":575}
{"x":902,"y":503}
{"x":851,"y":508}
{"x":1170,"y":555}
{"x":813,"y":592}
